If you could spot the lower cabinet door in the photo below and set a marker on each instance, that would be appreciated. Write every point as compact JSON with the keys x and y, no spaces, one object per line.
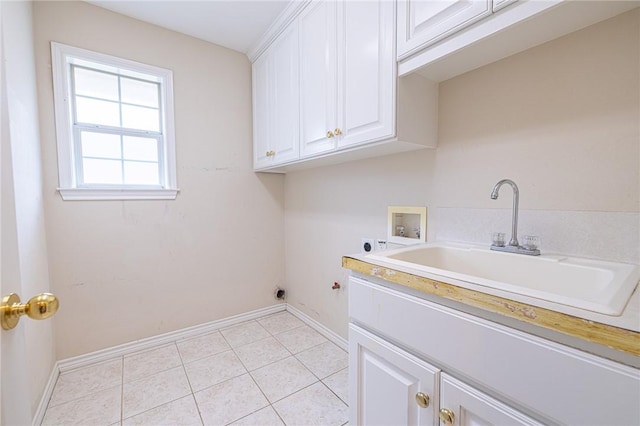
{"x":388,"y":386}
{"x":463,"y":405}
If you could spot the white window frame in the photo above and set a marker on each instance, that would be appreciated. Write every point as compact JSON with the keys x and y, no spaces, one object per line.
{"x":62,"y":56}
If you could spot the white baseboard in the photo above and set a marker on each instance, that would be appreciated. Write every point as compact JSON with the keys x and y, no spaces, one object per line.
{"x":150,"y":342}
{"x":329,"y":334}
{"x":38,"y":417}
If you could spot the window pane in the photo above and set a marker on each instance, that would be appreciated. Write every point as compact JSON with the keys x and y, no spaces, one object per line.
{"x":139,"y":92}
{"x":97,"y":112}
{"x":142,"y":149}
{"x":140,"y":118}
{"x":96,"y":84}
{"x":100,"y":145}
{"x":102,"y":171}
{"x":136,"y":173}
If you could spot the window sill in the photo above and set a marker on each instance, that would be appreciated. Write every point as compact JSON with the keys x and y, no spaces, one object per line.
{"x":79,"y":194}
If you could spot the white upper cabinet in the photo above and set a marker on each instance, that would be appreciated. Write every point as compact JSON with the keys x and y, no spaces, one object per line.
{"x":424,"y":22}
{"x":276,"y":102}
{"x":366,"y":76}
{"x":440,"y":39}
{"x":347,"y":77}
{"x":350,"y":104}
{"x":318,"y":77}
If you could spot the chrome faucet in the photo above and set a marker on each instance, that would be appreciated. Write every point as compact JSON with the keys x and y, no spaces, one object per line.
{"x":514,"y":214}
{"x":514,"y":246}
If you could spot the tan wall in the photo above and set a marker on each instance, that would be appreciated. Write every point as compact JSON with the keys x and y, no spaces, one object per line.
{"x":126,"y":270}
{"x":561,"y":119}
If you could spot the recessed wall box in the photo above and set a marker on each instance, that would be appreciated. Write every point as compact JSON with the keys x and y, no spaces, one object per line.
{"x":407,"y":225}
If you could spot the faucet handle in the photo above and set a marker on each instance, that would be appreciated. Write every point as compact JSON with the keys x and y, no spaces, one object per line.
{"x":531,"y":242}
{"x":498,"y":239}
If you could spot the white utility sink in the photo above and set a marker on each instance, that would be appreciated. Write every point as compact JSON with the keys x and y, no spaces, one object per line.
{"x":598,"y":286}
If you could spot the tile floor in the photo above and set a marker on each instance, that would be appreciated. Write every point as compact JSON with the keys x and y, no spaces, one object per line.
{"x":271,"y":371}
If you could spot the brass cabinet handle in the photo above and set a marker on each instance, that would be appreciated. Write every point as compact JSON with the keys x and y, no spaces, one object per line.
{"x":40,"y":306}
{"x":330,"y":134}
{"x":337,"y":132}
{"x":271,"y":153}
{"x":422,"y":399}
{"x":446,"y":416}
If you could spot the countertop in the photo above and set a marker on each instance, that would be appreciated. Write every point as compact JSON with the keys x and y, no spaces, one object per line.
{"x":582,"y":327}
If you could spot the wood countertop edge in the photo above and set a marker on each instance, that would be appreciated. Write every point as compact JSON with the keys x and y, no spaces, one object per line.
{"x":613,"y":337}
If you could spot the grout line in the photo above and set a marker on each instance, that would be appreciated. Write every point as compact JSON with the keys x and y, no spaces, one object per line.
{"x":193,"y":394}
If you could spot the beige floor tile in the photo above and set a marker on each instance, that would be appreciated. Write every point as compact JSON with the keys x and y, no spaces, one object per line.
{"x":261,"y":353}
{"x":244,"y":333}
{"x":78,"y":383}
{"x":149,"y":362}
{"x":202,"y":346}
{"x":339,"y":384}
{"x":213,"y":370}
{"x":300,"y":339}
{"x":102,"y":407}
{"x":265,"y":417}
{"x":324,"y":359}
{"x":280,"y":322}
{"x":183,"y":412}
{"x":315,"y":405}
{"x":229,"y":401}
{"x":154,"y":391}
{"x":282,"y":378}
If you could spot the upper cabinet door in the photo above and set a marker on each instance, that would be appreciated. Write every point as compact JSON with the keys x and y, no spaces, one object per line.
{"x":318,"y":73}
{"x":464,"y":405}
{"x":276,"y":102}
{"x":366,"y":66}
{"x":261,"y":125}
{"x":424,"y":22}
{"x":285,"y":95}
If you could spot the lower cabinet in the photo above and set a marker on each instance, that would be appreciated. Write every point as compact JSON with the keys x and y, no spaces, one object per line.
{"x":463,"y":405}
{"x":389,"y":386}
{"x":416,"y":362}
{"x":392,"y":387}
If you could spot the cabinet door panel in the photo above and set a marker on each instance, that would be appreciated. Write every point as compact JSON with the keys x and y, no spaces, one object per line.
{"x":384,"y":381}
{"x":284,"y":132}
{"x":276,"y":137}
{"x":318,"y":72}
{"x":474,"y":408}
{"x":424,"y":22}
{"x":261,"y":144}
{"x":367,"y":72}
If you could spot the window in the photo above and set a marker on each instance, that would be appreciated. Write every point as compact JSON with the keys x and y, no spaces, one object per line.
{"x":114,"y":127}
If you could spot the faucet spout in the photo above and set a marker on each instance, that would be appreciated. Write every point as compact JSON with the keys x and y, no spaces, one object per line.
{"x":514,"y":214}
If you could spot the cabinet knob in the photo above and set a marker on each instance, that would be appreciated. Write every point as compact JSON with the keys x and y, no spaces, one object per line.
{"x":422,"y":399}
{"x":271,"y":153}
{"x":446,"y":416}
{"x":330,"y":134}
{"x":337,"y":132}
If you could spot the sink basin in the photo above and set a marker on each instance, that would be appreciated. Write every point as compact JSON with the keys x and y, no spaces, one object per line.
{"x":598,"y":286}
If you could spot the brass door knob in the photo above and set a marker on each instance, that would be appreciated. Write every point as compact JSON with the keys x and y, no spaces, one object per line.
{"x":422,"y":399}
{"x":39,"y":307}
{"x":337,"y":132}
{"x":330,"y":134}
{"x":446,"y":416}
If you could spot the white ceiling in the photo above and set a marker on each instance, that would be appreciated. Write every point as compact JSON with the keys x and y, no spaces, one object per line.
{"x":236,"y":24}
